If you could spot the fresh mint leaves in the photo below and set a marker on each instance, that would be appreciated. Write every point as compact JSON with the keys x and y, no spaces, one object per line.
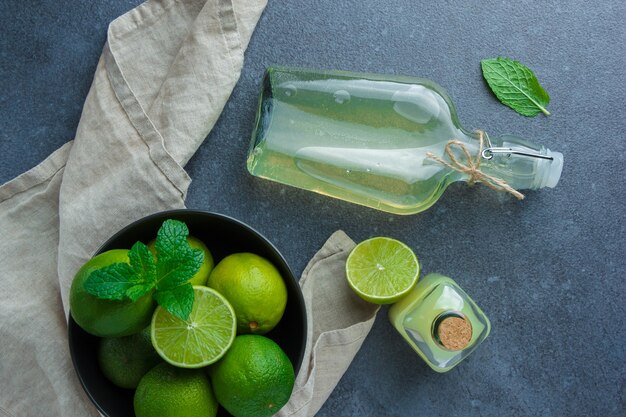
{"x":515,"y":86}
{"x":171,"y":241}
{"x":166,"y":276}
{"x":142,"y":261}
{"x":175,"y":271}
{"x":179,"y":300}
{"x":112,"y":282}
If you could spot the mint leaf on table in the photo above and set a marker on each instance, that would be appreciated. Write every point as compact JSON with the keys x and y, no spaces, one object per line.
{"x":515,"y":85}
{"x":112,"y":281}
{"x":178,"y":301}
{"x":167,"y":276}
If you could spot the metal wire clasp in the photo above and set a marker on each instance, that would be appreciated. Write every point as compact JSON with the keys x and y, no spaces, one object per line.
{"x":489,"y":151}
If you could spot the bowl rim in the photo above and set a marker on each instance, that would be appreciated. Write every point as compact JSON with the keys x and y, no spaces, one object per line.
{"x":185,"y":211}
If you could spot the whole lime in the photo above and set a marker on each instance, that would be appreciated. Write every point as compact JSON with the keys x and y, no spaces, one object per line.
{"x":202,"y":275}
{"x":107,"y":318}
{"x":125,"y":360}
{"x":167,"y":391}
{"x":255,"y":289}
{"x":254,"y":379}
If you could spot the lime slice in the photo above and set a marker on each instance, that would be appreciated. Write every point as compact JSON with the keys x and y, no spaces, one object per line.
{"x":201,"y":339}
{"x":381,"y":270}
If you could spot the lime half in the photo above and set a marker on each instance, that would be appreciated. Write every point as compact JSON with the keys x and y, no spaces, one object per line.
{"x":381,"y":270}
{"x":201,"y":339}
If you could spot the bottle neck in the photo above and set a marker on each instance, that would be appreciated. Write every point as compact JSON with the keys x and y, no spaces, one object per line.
{"x":523,"y":165}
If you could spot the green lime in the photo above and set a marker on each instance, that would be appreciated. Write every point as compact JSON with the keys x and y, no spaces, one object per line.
{"x":201,"y":339}
{"x":255,"y":289}
{"x":167,"y":391}
{"x":202,"y":275}
{"x":124,"y":360}
{"x":254,"y":379}
{"x":381,"y":270}
{"x":107,"y":318}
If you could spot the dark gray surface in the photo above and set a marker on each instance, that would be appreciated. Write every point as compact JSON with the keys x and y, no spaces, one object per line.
{"x":548,"y":271}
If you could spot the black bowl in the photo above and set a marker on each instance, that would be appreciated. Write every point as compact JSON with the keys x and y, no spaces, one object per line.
{"x":223,"y":235}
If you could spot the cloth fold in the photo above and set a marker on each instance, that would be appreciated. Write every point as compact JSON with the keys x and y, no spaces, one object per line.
{"x":338,"y":323}
{"x":163,"y":78}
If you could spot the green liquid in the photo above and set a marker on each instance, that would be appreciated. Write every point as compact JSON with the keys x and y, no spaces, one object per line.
{"x":416,"y":314}
{"x":366,"y":138}
{"x":363,"y":141}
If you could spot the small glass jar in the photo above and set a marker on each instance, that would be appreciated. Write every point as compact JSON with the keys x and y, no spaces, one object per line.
{"x":440,"y":322}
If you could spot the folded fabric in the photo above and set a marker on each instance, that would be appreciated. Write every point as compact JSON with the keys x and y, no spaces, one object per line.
{"x":338,"y":322}
{"x":164,"y":76}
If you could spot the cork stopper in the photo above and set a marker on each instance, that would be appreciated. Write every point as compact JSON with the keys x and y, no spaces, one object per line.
{"x":454,"y":333}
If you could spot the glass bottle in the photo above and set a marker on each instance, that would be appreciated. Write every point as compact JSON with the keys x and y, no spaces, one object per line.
{"x":370,"y":139}
{"x":440,"y":322}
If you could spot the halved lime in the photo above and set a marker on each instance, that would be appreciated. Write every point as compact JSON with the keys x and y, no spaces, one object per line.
{"x":381,"y":270}
{"x":201,"y":339}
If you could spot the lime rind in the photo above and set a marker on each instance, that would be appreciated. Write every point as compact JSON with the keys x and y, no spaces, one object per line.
{"x":200,"y":340}
{"x":381,"y":270}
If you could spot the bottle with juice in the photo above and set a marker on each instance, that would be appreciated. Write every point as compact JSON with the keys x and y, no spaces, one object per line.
{"x":440,"y":322}
{"x":381,"y":141}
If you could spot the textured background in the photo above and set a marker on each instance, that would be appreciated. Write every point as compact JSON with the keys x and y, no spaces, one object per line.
{"x":548,"y":271}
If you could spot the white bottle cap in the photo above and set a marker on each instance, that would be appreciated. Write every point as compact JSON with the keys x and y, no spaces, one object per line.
{"x":553,"y":170}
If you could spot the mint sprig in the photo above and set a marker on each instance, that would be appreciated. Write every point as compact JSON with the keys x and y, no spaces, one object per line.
{"x":166,"y":276}
{"x":516,"y":86}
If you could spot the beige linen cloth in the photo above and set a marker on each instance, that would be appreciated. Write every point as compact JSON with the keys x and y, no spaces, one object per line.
{"x":165,"y":73}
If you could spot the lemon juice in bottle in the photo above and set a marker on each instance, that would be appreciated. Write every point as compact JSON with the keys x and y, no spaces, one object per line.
{"x":375,"y":140}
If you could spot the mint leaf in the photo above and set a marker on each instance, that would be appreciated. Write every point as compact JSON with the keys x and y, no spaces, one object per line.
{"x":178,"y":301}
{"x":143,"y":263}
{"x":172,"y":272}
{"x":137,"y":291}
{"x":177,"y":262}
{"x":112,"y":281}
{"x":119,"y":281}
{"x":515,"y":86}
{"x":171,"y":239}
